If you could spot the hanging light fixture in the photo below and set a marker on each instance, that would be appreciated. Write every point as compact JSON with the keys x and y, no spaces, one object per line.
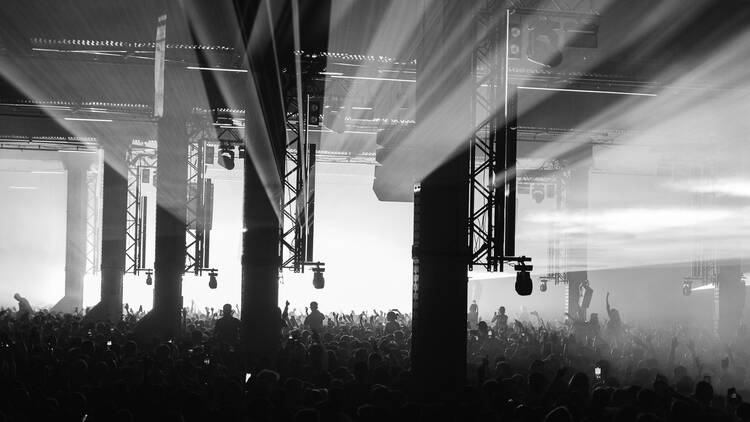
{"x":318,"y":280}
{"x":149,"y":279}
{"x":212,"y":284}
{"x":524,"y":285}
{"x":226,"y":157}
{"x":687,"y":287}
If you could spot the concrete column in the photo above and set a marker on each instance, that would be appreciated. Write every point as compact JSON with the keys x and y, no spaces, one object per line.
{"x":171,"y":209}
{"x":75,"y":237}
{"x":114,"y":233}
{"x":440,"y":250}
{"x":440,"y":281}
{"x":261,"y":320}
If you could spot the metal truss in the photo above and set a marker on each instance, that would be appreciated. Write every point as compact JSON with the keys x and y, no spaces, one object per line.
{"x":141,"y":159}
{"x":295,"y":246}
{"x":566,"y":6}
{"x":704,"y":268}
{"x":487,"y":77}
{"x":199,"y":196}
{"x":557,"y":174}
{"x":93,"y":219}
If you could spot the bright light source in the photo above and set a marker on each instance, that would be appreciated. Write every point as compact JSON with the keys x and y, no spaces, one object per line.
{"x":370,"y":78}
{"x":217,"y":69}
{"x":85,"y":119}
{"x":588,"y":91}
{"x":331,"y":73}
{"x":22,"y":187}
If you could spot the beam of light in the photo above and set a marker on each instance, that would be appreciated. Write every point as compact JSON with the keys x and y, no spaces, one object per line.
{"x":331,"y":73}
{"x":372,"y":78}
{"x":22,"y":187}
{"x":86,"y":119}
{"x":588,"y":91}
{"x":217,"y":69}
{"x":724,"y":186}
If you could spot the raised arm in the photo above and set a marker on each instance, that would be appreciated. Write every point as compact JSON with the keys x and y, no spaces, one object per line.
{"x":285,"y":314}
{"x":609,"y":309}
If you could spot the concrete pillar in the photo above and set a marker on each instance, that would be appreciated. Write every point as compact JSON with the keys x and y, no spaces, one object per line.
{"x":440,"y":250}
{"x":75,"y":237}
{"x":164,"y":320}
{"x":114,"y":233}
{"x":261,"y":320}
{"x":440,"y":280}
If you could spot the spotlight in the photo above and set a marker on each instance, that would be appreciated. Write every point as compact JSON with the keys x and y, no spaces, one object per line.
{"x":537,"y":192}
{"x":524,"y":285}
{"x":544,"y":43}
{"x":149,"y":279}
{"x":543,"y":286}
{"x":226,"y":157}
{"x":212,"y":284}
{"x":687,"y":288}
{"x":318,"y":281}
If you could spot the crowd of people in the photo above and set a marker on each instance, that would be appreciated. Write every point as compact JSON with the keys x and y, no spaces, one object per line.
{"x":356,"y":367}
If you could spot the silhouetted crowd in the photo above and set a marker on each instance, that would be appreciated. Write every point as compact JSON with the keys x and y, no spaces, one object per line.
{"x":355,"y":367}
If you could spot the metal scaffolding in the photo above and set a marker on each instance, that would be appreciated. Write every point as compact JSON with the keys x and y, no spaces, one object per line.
{"x":141,"y":162}
{"x":199,"y":197}
{"x":93,"y":220}
{"x":487,"y":68}
{"x":299,"y":184}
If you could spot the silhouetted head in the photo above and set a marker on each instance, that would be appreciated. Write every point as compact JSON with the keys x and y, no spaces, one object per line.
{"x":17,"y":296}
{"x":314,"y":305}
{"x":228,"y":310}
{"x":502,"y":309}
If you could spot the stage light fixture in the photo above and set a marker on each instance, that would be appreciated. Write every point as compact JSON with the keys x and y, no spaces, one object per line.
{"x":212,"y":284}
{"x":319,"y":281}
{"x":149,"y":279}
{"x":226,"y":157}
{"x":544,"y":43}
{"x":687,"y":288}
{"x":524,"y":285}
{"x":537,"y":192}
{"x":543,"y":286}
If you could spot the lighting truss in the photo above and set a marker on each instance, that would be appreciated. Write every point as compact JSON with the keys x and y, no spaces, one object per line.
{"x":552,"y":173}
{"x":93,"y":218}
{"x":487,"y":68}
{"x":199,"y":196}
{"x":298,"y":199}
{"x":140,"y":159}
{"x":704,"y":269}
